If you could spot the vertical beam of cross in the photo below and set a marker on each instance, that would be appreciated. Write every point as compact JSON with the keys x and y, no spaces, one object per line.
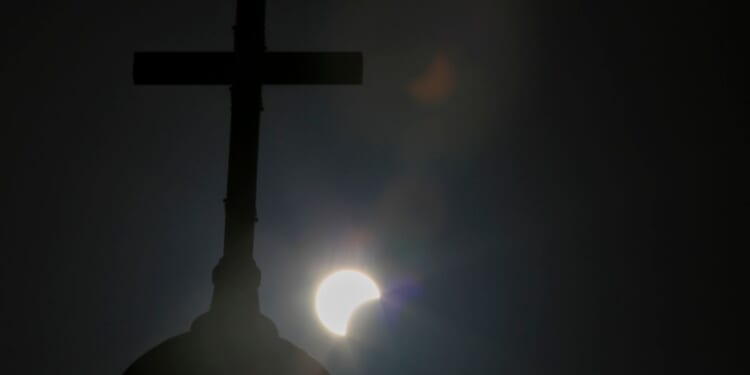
{"x":246,"y":96}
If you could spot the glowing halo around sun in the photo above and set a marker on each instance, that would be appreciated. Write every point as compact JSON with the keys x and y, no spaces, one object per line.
{"x":339,"y":295}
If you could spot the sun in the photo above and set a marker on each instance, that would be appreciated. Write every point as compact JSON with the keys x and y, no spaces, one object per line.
{"x":339,"y":295}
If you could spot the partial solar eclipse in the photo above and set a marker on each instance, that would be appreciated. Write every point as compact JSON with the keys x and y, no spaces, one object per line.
{"x":339,"y":296}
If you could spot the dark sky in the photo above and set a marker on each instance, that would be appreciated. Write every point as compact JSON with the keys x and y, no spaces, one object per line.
{"x":539,"y":187}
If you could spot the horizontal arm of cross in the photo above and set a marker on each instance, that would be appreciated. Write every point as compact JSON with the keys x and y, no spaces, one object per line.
{"x":219,"y":68}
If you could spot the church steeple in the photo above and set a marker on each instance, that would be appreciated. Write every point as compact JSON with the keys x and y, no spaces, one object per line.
{"x":233,"y":337}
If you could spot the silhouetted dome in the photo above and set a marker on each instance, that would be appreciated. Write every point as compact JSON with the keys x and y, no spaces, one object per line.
{"x":219,"y":345}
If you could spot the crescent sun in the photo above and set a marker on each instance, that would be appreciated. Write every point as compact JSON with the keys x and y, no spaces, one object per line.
{"x":340,"y":295}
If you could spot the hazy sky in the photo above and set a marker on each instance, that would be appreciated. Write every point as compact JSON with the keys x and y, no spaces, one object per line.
{"x":523,"y":180}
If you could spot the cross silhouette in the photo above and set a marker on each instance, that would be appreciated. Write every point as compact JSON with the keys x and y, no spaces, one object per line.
{"x":233,"y":337}
{"x":246,"y":69}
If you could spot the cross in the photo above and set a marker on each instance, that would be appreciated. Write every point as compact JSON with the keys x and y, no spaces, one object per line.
{"x":245,"y":69}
